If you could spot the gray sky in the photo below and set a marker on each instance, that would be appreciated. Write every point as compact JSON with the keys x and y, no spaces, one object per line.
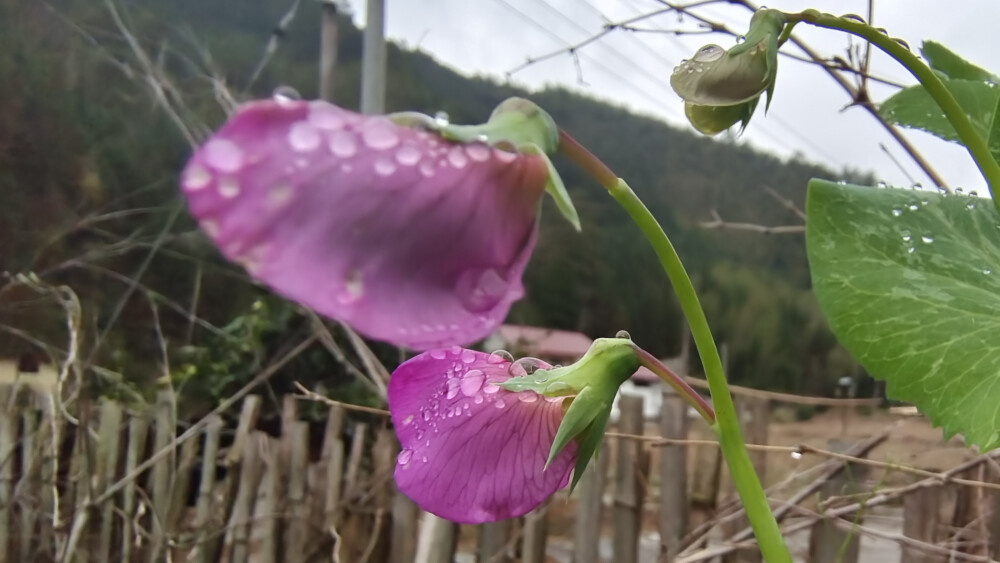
{"x":492,"y":37}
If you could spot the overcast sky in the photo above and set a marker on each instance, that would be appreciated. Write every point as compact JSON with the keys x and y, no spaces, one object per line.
{"x":493,"y":37}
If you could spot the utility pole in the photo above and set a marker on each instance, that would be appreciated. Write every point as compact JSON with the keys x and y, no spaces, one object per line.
{"x":328,"y":49}
{"x":373,"y":60}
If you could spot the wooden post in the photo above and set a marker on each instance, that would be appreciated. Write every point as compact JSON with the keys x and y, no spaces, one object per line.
{"x":225,"y":506}
{"x":202,"y":552}
{"x":535,"y":534}
{"x":589,"y":509}
{"x":926,"y":513}
{"x":993,"y":530}
{"x":138,"y":428}
{"x":628,"y":492}
{"x":262,"y":544}
{"x":298,"y":508}
{"x":8,"y":443}
{"x":328,"y":50}
{"x":163,"y":430}
{"x":333,"y":457}
{"x":235,"y":548}
{"x":674,"y":423}
{"x":436,"y":542}
{"x":755,"y":417}
{"x":828,"y":543}
{"x":106,"y":469}
{"x":403,"y":547}
{"x":31,"y":444}
{"x":493,"y":541}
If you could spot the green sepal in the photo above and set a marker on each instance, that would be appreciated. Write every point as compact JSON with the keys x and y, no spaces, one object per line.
{"x":554,"y":186}
{"x":712,"y":120}
{"x":588,"y":445}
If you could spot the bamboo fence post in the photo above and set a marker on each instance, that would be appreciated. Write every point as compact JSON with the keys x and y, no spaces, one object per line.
{"x":628,"y":490}
{"x":234,"y":549}
{"x":163,"y":434}
{"x":925,"y":518}
{"x":181,"y":487}
{"x":262,"y":543}
{"x":106,"y":469}
{"x":333,"y":457}
{"x":674,"y":423}
{"x":283,"y":463}
{"x":493,"y":541}
{"x":589,"y":509}
{"x":138,"y":428}
{"x":30,"y":442}
{"x":829,"y":543}
{"x":993,"y":530}
{"x":436,"y":539}
{"x":535,"y":534}
{"x":298,"y":509}
{"x":8,"y":444}
{"x":202,"y":553}
{"x":242,"y":441}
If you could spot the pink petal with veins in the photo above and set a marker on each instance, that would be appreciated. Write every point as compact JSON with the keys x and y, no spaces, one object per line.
{"x":473,"y":452}
{"x":408,"y":238}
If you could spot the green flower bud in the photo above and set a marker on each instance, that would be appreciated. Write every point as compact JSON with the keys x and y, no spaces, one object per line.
{"x":591,"y":384}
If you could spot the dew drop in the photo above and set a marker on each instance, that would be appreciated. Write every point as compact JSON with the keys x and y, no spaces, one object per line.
{"x":286,"y":95}
{"x":499,"y":403}
{"x":303,"y":137}
{"x":917,"y":186}
{"x":500,"y":356}
{"x":854,"y":17}
{"x":424,"y":459}
{"x":210,"y":227}
{"x":490,"y":388}
{"x":973,"y":193}
{"x":505,"y":157}
{"x":229,"y":188}
{"x":913,"y":207}
{"x":527,"y":396}
{"x":709,"y":53}
{"x":740,"y":39}
{"x":468,"y":356}
{"x":970,"y":205}
{"x":906,"y":236}
{"x":478,"y":399}
{"x":441,"y":119}
{"x":408,"y":155}
{"x":404,"y":457}
{"x":881,"y":184}
{"x":384,"y":167}
{"x":472,"y":382}
{"x":526,"y":366}
{"x":478,"y":152}
{"x":796,"y":455}
{"x":379,"y":134}
{"x":457,"y":158}
{"x":324,"y":116}
{"x":343,"y":144}
{"x":987,"y":271}
{"x":280,"y":195}
{"x":910,"y":250}
{"x":353,"y":288}
{"x":453,"y":388}
{"x":902,"y":42}
{"x":959,"y":191}
{"x":556,"y":387}
{"x":623,"y":334}
{"x":427,"y":416}
{"x":896,"y":212}
{"x":480,"y":290}
{"x":427,"y":168}
{"x":408,"y":421}
{"x":927,"y":239}
{"x":438,"y":354}
{"x":482,"y":138}
{"x":196,"y":178}
{"x":223,"y":155}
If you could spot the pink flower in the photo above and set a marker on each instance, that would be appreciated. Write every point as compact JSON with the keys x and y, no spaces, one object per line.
{"x":472,"y":451}
{"x":407,"y":237}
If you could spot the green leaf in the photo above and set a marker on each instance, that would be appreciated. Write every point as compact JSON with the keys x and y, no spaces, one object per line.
{"x":914,"y":107}
{"x":945,"y":61}
{"x":910,"y":284}
{"x":994,"y":135}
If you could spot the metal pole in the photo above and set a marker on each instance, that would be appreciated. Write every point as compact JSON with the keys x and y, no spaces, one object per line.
{"x":373,"y":60}
{"x":328,"y":49}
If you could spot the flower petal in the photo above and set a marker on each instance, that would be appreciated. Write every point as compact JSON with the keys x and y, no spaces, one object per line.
{"x":409,"y":238}
{"x":473,"y":452}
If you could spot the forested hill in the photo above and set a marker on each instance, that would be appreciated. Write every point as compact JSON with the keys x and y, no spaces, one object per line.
{"x":88,"y":165}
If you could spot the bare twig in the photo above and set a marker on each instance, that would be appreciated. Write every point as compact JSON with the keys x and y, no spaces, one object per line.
{"x":718,"y":223}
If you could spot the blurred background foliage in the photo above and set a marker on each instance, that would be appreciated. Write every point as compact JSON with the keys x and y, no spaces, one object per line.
{"x":88,"y":185}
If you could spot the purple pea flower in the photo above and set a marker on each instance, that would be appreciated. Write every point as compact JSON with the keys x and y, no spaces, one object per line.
{"x":483,"y":440}
{"x":407,"y":236}
{"x":473,"y":451}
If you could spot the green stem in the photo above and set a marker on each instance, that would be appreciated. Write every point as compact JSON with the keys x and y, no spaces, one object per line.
{"x":967,"y":133}
{"x":727,"y":425}
{"x":682,"y":387}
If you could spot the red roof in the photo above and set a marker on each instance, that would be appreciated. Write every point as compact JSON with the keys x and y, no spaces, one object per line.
{"x":545,"y":342}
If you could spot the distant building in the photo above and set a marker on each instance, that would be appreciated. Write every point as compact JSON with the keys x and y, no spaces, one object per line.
{"x":565,"y":347}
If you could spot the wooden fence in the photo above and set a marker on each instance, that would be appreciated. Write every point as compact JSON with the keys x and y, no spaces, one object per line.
{"x":106,"y":484}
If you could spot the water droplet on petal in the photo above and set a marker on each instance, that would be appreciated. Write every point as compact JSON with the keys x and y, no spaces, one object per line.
{"x":500,"y":356}
{"x":196,"y":178}
{"x":480,"y":290}
{"x":343,"y":144}
{"x":623,"y":334}
{"x":408,"y":421}
{"x":404,"y":457}
{"x":427,"y":416}
{"x":303,"y":137}
{"x":280,"y":195}
{"x":527,"y":396}
{"x":499,"y":403}
{"x":441,"y":119}
{"x":223,"y":155}
{"x":286,"y":95}
{"x":472,"y":382}
{"x":468,"y":356}
{"x":453,"y":388}
{"x":527,"y":366}
{"x":384,"y":167}
{"x":353,"y":288}
{"x":478,"y":152}
{"x":408,"y":155}
{"x":505,"y":157}
{"x":438,"y":354}
{"x":490,"y":388}
{"x":380,"y":134}
{"x":709,"y":53}
{"x":457,"y":158}
{"x":229,"y":188}
{"x":325,"y":116}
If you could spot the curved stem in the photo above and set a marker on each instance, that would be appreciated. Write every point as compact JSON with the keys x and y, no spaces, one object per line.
{"x":682,"y":387}
{"x":974,"y":142}
{"x":727,"y":425}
